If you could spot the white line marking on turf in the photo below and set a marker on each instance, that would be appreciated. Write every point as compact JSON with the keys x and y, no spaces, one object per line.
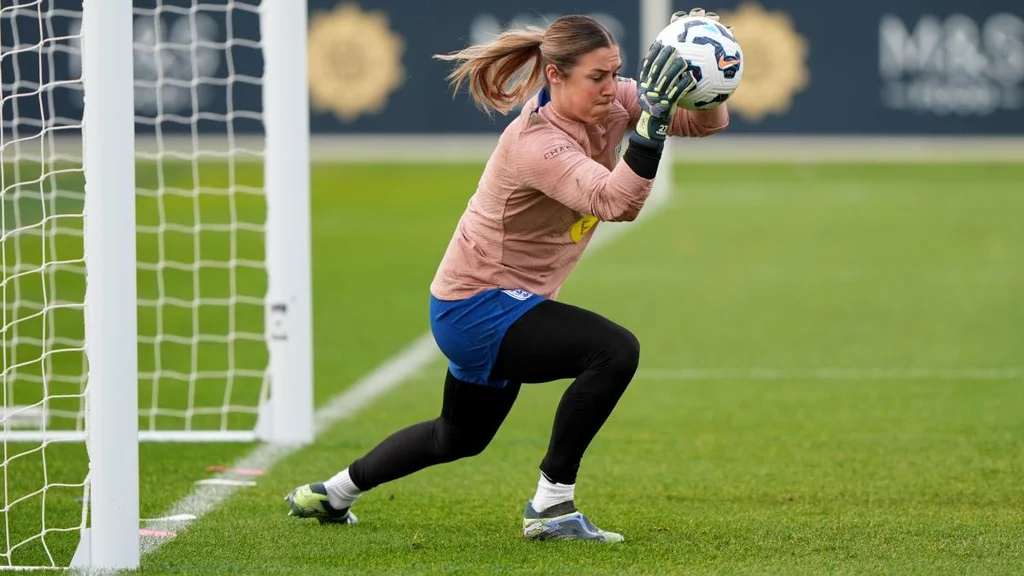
{"x":412,"y":360}
{"x":178,"y":518}
{"x":226,"y":482}
{"x":208,"y":496}
{"x":831,"y":374}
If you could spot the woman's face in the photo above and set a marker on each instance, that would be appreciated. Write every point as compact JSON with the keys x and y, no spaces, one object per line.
{"x":587,"y":92}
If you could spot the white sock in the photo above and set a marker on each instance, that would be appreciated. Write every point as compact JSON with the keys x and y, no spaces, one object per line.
{"x":341,"y":491}
{"x":550,"y":493}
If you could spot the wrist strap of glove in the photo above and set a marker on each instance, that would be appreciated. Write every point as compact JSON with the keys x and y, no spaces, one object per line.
{"x":643,"y":155}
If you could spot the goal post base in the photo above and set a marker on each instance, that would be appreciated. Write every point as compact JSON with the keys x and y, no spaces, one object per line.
{"x":187,"y":436}
{"x":82,"y":560}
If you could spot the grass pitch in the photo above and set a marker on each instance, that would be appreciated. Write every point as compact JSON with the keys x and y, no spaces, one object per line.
{"x":831,"y":381}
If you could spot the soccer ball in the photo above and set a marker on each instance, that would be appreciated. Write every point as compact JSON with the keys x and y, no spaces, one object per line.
{"x":714,"y":56}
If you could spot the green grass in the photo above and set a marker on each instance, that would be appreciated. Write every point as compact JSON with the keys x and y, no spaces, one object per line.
{"x":790,"y":268}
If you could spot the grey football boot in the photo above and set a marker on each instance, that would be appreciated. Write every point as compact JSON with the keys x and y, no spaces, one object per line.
{"x":563,"y":522}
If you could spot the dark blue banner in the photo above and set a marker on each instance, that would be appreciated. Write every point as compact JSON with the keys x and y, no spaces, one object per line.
{"x":372,"y":67}
{"x":873,"y":67}
{"x":870,"y":67}
{"x":879,"y":66}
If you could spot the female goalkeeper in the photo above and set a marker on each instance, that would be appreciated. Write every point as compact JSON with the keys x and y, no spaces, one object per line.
{"x":493,"y":312}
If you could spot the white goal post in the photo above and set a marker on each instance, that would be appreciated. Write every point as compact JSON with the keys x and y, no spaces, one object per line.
{"x":151,"y":293}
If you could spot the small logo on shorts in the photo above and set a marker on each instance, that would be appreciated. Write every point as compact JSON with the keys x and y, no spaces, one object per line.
{"x":519,"y":294}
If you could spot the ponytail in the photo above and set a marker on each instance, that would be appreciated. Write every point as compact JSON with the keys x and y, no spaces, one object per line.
{"x":507,"y":71}
{"x":503,"y":73}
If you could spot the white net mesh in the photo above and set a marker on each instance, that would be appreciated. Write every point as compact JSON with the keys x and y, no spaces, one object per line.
{"x":43,"y":283}
{"x":200,"y":239}
{"x":198,"y":73}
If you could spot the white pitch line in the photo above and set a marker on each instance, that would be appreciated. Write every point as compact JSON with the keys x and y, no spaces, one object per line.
{"x":206,"y":497}
{"x":413,"y":359}
{"x":830,"y":374}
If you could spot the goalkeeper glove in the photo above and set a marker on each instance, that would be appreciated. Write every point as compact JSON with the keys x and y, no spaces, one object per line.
{"x":664,"y":77}
{"x":698,"y":13}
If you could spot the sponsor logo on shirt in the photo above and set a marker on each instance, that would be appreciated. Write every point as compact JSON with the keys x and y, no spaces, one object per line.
{"x":582,"y":227}
{"x":556,"y":151}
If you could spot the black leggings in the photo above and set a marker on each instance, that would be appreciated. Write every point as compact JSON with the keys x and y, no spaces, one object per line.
{"x":553,"y":341}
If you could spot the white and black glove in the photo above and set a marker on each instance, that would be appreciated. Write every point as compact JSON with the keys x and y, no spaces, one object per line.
{"x":698,"y":13}
{"x":664,"y":77}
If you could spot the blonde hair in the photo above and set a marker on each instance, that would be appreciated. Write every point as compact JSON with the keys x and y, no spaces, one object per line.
{"x":507,"y":71}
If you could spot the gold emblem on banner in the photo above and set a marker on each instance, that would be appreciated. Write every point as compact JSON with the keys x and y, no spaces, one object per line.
{"x":775,"y":60}
{"x":355,"y":62}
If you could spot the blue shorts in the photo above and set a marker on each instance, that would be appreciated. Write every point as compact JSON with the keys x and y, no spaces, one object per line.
{"x":469,"y":331}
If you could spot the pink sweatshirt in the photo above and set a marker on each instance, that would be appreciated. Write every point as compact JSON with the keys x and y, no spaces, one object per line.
{"x":547,"y":184}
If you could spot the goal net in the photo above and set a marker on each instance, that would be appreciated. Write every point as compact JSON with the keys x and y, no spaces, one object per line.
{"x":200,"y":213}
{"x":222,"y":303}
